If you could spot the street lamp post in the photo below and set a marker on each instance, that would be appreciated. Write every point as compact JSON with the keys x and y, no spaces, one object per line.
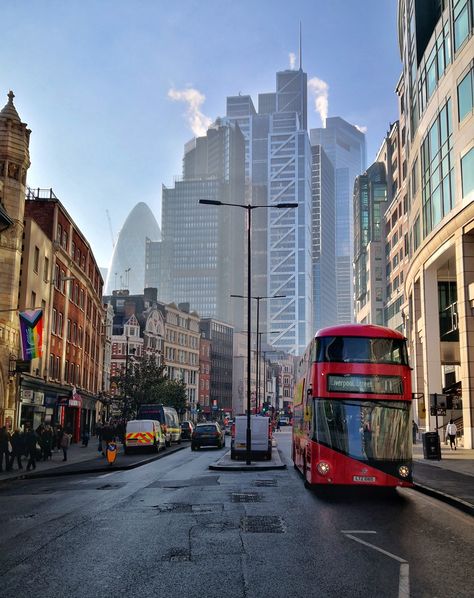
{"x":249,"y":208}
{"x":258,"y":298}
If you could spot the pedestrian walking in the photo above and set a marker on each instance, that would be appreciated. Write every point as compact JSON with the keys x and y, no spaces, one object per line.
{"x":451,"y":431}
{"x":85,"y":437}
{"x":57,"y":438}
{"x":31,"y":440}
{"x":46,"y":443}
{"x":98,"y":430}
{"x":65,"y":443}
{"x":5,"y":448}
{"x":18,"y":448}
{"x":415,"y":431}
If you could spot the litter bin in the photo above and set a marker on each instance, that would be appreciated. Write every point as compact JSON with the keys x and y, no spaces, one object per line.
{"x":431,"y":446}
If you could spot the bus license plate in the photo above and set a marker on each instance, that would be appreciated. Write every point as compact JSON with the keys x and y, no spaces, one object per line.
{"x":363,"y":478}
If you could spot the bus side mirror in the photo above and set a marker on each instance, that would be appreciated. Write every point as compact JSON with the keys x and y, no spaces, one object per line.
{"x":309,"y":392}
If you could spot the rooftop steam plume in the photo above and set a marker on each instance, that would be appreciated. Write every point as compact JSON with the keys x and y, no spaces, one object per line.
{"x":320,"y":91}
{"x":198,"y":121}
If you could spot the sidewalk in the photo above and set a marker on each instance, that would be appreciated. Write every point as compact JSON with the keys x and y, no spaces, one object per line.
{"x":450,"y":480}
{"x":82,"y":460}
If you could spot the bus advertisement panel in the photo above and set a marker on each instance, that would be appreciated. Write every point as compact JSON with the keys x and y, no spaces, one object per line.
{"x":352,"y":409}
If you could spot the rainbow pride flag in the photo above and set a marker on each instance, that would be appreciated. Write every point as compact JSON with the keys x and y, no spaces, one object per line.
{"x":31,"y":333}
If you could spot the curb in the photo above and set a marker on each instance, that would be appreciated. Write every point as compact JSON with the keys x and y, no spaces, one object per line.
{"x":246,"y":467}
{"x":241,"y":467}
{"x":102,"y":469}
{"x":458,"y":503}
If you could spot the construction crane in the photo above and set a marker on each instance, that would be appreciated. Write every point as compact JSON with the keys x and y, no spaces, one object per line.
{"x":110,"y":228}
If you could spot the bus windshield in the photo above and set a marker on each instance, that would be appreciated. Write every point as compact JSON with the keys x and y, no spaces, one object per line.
{"x":358,"y":349}
{"x":364,"y":430}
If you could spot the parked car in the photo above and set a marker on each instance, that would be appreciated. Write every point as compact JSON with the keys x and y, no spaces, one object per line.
{"x":207,"y":434}
{"x":186,"y":430}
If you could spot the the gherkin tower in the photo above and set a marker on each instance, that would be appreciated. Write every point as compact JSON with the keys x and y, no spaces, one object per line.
{"x":127,"y":270}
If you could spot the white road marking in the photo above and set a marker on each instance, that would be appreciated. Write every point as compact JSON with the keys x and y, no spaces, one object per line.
{"x":404,"y":584}
{"x":404,"y":577}
{"x":357,"y":531}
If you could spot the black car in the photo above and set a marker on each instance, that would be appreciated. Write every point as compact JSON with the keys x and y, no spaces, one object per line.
{"x":207,"y":434}
{"x":186,"y":430}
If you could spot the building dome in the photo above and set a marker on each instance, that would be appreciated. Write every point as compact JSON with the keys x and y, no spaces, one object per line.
{"x":9,"y":110}
{"x":127,"y":270}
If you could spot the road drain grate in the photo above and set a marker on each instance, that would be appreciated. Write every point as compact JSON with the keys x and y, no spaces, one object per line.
{"x":177,"y":555}
{"x":265,"y":482}
{"x":246,"y":497}
{"x":262,"y":524}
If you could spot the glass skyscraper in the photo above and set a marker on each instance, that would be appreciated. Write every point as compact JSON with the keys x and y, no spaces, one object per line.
{"x":323,"y":239}
{"x":345,"y":147}
{"x":127,"y":270}
{"x":201,"y":259}
{"x":278,"y":169}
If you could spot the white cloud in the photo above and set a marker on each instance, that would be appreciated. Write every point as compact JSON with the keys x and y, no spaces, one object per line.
{"x":198,"y":121}
{"x":361,"y":128}
{"x":292,"y":57}
{"x":320,"y":91}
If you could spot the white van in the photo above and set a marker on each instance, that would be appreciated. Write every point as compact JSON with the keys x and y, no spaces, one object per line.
{"x":261,"y":442}
{"x":144,"y":433}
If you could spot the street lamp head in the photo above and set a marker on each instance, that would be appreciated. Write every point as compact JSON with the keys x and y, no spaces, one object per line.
{"x":286,"y":205}
{"x":210,"y":202}
{"x":239,"y":296}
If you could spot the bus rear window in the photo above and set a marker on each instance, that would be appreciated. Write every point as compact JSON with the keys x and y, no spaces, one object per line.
{"x":357,"y":349}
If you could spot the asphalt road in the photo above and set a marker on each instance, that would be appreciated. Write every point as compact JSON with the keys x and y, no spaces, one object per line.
{"x":173,"y":528}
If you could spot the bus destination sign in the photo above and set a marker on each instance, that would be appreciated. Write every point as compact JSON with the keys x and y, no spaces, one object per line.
{"x":365,"y":384}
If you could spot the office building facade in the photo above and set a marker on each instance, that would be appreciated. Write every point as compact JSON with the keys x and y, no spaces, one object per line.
{"x":345,"y":147}
{"x":127,"y":269}
{"x":436,"y":46}
{"x":278,"y":168}
{"x":202,"y":254}
{"x":323,"y":239}
{"x":370,"y":202}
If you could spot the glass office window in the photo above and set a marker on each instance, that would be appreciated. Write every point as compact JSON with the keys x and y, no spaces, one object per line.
{"x":465,"y":96}
{"x":437,"y":165}
{"x":467,"y":172}
{"x":461,"y":23}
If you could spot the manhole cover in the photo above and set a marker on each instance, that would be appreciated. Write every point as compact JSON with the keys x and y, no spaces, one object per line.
{"x":246,"y":497}
{"x":265,"y":482}
{"x":262,"y":524}
{"x":177,"y":555}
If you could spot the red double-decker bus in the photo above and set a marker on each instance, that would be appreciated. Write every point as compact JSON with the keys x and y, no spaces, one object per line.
{"x":352,"y":420}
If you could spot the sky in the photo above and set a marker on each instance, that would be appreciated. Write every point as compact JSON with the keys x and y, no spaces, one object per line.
{"x":113,"y":89}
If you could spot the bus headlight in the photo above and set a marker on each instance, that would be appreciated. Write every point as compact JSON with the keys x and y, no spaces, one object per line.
{"x":323,"y":468}
{"x":404,"y":471}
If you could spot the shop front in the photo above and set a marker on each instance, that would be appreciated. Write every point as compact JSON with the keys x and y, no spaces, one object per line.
{"x":32,"y":409}
{"x":70,"y":415}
